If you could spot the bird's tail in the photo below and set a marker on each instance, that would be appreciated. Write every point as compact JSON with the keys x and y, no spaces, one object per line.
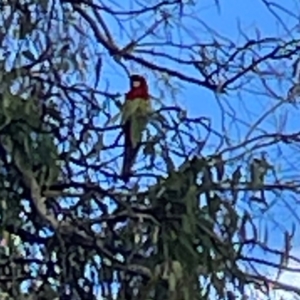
{"x":128,"y":156}
{"x":127,"y":163}
{"x":130,"y":152}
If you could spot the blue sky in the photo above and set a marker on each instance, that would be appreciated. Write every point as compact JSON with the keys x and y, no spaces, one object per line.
{"x":253,"y":18}
{"x":244,"y":108}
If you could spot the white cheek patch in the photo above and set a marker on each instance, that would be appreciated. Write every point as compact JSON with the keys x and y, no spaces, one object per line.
{"x":136,"y":84}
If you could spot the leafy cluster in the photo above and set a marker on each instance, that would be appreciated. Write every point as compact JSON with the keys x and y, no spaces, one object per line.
{"x":185,"y":227}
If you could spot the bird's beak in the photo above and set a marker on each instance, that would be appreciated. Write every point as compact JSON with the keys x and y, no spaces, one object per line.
{"x":136,"y":84}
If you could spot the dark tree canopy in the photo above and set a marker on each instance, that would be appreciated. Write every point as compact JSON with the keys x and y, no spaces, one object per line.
{"x":197,"y":219}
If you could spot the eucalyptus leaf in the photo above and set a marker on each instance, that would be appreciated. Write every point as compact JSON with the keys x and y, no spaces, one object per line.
{"x":29,"y":55}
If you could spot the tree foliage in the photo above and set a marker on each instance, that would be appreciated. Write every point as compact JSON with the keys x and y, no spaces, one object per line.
{"x":194,"y":221}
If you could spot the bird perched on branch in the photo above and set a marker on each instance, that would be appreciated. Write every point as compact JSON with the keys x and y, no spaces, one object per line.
{"x":134,"y":119}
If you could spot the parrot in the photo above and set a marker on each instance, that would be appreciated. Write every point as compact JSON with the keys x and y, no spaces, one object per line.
{"x":134,"y":120}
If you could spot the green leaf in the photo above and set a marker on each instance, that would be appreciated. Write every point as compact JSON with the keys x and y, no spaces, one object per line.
{"x":26,"y":27}
{"x":86,"y":136}
{"x":214,"y":206}
{"x":220,"y":166}
{"x":186,"y":293}
{"x":99,"y":144}
{"x":29,"y":55}
{"x":172,"y":282}
{"x":177,"y":268}
{"x":218,"y":285}
{"x":188,"y":247}
{"x":149,"y":149}
{"x":258,"y":172}
{"x":65,"y":65}
{"x":186,"y":226}
{"x":114,"y":119}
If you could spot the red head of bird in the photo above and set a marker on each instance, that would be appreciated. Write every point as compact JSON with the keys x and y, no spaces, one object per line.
{"x":138,"y":88}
